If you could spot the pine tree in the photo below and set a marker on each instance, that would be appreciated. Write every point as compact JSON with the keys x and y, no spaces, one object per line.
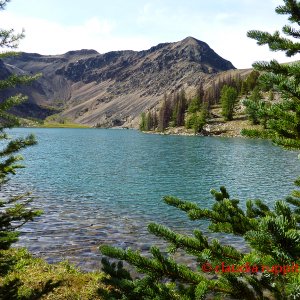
{"x":238,"y":82}
{"x":175,"y":109}
{"x":267,"y":271}
{"x":253,"y":105}
{"x":284,"y":118}
{"x":200,"y":92}
{"x":197,"y":119}
{"x":244,"y":89}
{"x":15,"y":210}
{"x":164,"y":114}
{"x":154,"y":120}
{"x":182,"y":106}
{"x":195,"y":104}
{"x":142,"y":125}
{"x":228,"y":99}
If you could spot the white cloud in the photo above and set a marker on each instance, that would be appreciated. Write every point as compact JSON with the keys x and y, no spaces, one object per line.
{"x":152,"y":14}
{"x":242,"y":51}
{"x":225,"y":33}
{"x":221,"y":17}
{"x":46,"y":37}
{"x":97,"y":26}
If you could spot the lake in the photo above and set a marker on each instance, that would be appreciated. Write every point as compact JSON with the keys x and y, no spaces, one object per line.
{"x":101,"y":186}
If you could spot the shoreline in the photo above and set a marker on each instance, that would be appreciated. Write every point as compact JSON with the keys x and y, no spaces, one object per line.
{"x":230,"y":129}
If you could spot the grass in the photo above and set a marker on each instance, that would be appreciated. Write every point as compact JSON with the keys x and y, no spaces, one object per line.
{"x":26,"y":277}
{"x":51,"y":122}
{"x":63,"y":125}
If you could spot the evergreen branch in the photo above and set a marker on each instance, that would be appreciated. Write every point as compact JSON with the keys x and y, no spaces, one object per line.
{"x":272,"y":66}
{"x":255,"y":133}
{"x":289,"y":89}
{"x":17,"y":214}
{"x":288,"y":30}
{"x":240,"y":289}
{"x":17,"y":198}
{"x":256,"y":285}
{"x":159,"y":267}
{"x":275,"y":42}
{"x":7,"y":167}
{"x":288,"y":72}
{"x":195,"y":245}
{"x":9,"y":39}
{"x":282,"y":209}
{"x":257,"y":209}
{"x":287,"y":143}
{"x":185,"y":206}
{"x":3,"y":4}
{"x":14,"y":80}
{"x":297,"y":182}
{"x":18,"y":144}
{"x":219,"y":196}
{"x":293,"y":201}
{"x":11,"y":102}
{"x":8,"y":120}
{"x":225,"y":215}
{"x":291,"y":8}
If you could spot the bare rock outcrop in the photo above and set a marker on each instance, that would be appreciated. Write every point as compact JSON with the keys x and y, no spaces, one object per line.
{"x":112,"y":89}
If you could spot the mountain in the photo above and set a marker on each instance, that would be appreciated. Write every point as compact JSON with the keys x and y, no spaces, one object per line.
{"x":112,"y":89}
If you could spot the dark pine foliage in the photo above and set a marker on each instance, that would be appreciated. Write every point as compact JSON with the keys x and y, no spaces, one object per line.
{"x":283,"y":119}
{"x":14,"y":210}
{"x":272,"y":235}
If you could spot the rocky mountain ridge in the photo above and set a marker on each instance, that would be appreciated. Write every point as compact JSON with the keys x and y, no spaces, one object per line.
{"x":112,"y":89}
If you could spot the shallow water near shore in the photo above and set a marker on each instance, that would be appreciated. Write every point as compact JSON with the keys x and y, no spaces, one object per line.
{"x":99,"y":186}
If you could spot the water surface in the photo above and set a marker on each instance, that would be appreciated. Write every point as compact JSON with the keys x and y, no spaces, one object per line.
{"x":104,"y":186}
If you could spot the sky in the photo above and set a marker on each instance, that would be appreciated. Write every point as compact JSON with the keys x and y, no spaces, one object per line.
{"x":58,"y":26}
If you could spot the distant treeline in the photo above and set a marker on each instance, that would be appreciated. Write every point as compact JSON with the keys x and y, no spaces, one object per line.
{"x":178,"y":110}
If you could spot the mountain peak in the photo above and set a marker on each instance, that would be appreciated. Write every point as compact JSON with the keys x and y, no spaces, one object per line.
{"x":193,"y":50}
{"x":190,"y":40}
{"x":115,"y":87}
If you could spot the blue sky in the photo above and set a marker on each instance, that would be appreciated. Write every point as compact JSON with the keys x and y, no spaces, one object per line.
{"x":57,"y":26}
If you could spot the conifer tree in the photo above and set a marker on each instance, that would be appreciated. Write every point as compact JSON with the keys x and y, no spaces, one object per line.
{"x":154,"y":120}
{"x":15,"y":210}
{"x":197,"y":119}
{"x":228,"y":99}
{"x":195,"y":104}
{"x":143,"y":121}
{"x":267,"y":271}
{"x":149,"y":121}
{"x":164,"y":114}
{"x":238,"y":82}
{"x":253,"y":105}
{"x":284,"y":118}
{"x":200,"y":93}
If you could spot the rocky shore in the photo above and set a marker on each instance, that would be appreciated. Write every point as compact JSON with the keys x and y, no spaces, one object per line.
{"x":214,"y":127}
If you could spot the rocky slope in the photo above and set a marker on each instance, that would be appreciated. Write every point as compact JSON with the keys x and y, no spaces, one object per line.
{"x":112,"y":89}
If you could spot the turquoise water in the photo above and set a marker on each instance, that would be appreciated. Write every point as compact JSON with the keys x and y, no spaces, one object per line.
{"x":104,"y":186}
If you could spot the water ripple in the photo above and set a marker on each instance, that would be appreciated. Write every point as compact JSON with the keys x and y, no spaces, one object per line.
{"x":104,"y":186}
